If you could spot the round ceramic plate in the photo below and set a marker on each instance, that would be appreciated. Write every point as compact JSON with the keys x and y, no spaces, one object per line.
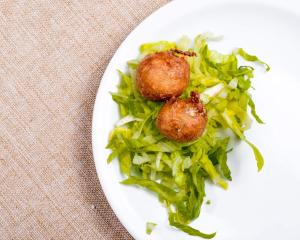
{"x":257,"y":206}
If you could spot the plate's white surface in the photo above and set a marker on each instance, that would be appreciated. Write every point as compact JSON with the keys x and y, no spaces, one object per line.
{"x":259,"y":206}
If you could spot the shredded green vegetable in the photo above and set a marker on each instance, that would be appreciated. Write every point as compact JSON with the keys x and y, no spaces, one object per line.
{"x":177,"y":172}
{"x":149,"y":227}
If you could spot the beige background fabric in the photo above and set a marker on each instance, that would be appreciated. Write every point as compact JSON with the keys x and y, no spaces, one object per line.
{"x":52,"y":56}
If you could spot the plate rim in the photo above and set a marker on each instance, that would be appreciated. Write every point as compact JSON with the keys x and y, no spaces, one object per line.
{"x":290,"y":5}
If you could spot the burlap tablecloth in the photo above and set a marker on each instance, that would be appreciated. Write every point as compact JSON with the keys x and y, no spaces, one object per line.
{"x":52,"y":56}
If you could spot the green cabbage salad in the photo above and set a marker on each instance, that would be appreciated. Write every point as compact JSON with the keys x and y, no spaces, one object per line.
{"x":175,"y":171}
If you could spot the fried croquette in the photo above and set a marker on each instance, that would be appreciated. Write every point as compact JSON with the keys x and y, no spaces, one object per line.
{"x":162,"y":75}
{"x":182,"y":120}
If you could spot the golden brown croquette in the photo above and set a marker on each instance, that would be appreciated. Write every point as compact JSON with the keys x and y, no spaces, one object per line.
{"x":182,"y":120}
{"x":162,"y":75}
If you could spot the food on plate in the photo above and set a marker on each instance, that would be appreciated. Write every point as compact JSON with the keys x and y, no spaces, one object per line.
{"x":182,"y":120}
{"x":149,"y":227}
{"x":162,"y":75}
{"x":172,"y":148}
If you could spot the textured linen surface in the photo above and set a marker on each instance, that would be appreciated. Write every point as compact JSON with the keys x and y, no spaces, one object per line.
{"x":52,"y":56}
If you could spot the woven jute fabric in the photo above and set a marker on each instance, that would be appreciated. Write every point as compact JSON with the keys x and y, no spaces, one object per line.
{"x":52,"y":56}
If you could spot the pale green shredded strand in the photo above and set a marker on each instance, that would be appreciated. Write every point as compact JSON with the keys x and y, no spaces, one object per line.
{"x":149,"y":227}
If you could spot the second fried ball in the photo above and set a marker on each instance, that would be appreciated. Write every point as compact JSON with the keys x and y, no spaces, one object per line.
{"x":162,"y":75}
{"x":182,"y":120}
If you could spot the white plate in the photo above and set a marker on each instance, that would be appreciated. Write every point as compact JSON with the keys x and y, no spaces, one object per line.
{"x":263,"y":205}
